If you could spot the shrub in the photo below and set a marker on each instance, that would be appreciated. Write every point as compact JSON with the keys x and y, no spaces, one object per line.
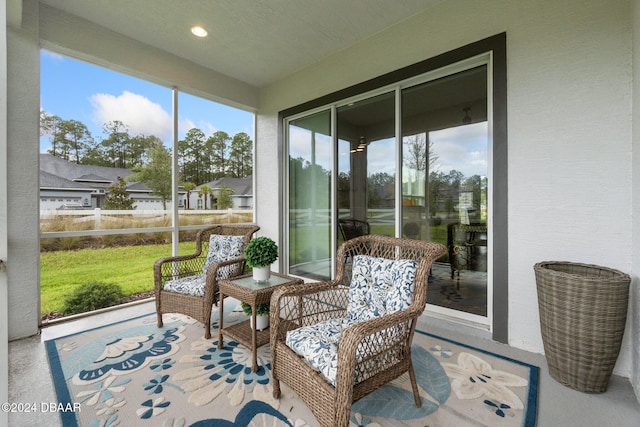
{"x":261,"y":251}
{"x":261,"y":309}
{"x":92,"y":296}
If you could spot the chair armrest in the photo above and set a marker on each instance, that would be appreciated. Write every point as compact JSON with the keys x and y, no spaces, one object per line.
{"x":369,"y":347}
{"x":211,"y":284}
{"x":306,"y":304}
{"x":180,"y":267}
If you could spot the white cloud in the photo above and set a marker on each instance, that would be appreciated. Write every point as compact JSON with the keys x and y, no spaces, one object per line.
{"x":139,"y":113}
{"x":185,"y":125}
{"x":463,"y":148}
{"x":53,"y":56}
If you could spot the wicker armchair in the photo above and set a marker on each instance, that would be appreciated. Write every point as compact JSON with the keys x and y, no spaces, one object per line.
{"x":188,"y":284}
{"x":347,"y":342}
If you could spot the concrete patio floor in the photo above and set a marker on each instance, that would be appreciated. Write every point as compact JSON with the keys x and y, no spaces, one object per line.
{"x":30,"y":378}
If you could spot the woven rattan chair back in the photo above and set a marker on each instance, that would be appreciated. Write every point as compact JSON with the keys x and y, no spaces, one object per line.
{"x":172,"y":268}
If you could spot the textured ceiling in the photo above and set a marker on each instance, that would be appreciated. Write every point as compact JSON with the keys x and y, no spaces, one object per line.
{"x":256,"y":41}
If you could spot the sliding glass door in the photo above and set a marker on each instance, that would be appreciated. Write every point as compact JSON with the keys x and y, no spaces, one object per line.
{"x":366,"y":129}
{"x":410,"y":161}
{"x":445,"y":157}
{"x":310,"y":170}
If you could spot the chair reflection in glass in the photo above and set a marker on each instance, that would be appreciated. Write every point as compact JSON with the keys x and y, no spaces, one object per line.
{"x":351,"y":227}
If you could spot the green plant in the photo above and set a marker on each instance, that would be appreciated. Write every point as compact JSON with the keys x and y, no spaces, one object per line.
{"x":92,"y":296}
{"x":261,"y":309}
{"x":61,"y":272}
{"x":261,"y":252}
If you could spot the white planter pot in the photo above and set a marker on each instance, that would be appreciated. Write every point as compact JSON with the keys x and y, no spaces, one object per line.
{"x":261,"y":274}
{"x":262,"y":322}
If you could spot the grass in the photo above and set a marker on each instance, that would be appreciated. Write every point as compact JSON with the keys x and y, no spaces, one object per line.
{"x":130,"y":267}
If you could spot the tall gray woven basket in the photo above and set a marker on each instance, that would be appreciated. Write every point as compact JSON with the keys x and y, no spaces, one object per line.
{"x":583,"y":310}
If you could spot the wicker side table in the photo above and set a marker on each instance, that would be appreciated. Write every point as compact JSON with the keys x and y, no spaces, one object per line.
{"x":247,"y":290}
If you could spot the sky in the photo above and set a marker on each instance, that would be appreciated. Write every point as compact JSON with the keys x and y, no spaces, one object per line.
{"x":462,"y":148}
{"x":73,"y":89}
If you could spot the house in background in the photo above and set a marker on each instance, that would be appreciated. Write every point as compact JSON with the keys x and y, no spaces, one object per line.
{"x":241,"y":197}
{"x":62,"y":182}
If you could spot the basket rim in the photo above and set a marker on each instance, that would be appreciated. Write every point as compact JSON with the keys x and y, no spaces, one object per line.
{"x":544,"y":266}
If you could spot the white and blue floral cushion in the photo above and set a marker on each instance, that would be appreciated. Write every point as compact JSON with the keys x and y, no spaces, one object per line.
{"x":403,"y":277}
{"x":224,"y":248}
{"x":190,"y":285}
{"x":318,"y":345}
{"x":221,"y":248}
{"x":378,"y":286}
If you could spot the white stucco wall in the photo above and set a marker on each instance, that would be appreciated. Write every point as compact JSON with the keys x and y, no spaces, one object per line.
{"x":635,"y":288}
{"x":4,"y":303}
{"x":23,"y":115}
{"x":569,"y":110}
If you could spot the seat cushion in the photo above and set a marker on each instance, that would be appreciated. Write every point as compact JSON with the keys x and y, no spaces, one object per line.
{"x":224,"y":248}
{"x":190,"y":285}
{"x":379,"y":286}
{"x":318,"y":345}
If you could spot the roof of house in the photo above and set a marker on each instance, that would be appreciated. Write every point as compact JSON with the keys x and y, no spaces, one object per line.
{"x":63,"y":174}
{"x":240,"y":186}
{"x":49,"y":180}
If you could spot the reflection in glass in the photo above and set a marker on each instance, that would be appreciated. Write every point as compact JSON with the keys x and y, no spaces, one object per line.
{"x":366,"y":181}
{"x":444,"y":147}
{"x":445,"y":138}
{"x":310,"y":168}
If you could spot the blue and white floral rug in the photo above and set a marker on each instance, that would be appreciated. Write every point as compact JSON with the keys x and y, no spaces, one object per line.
{"x":134,"y":374}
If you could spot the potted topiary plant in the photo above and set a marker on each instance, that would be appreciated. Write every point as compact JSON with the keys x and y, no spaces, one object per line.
{"x":260,"y":253}
{"x":262,"y":315}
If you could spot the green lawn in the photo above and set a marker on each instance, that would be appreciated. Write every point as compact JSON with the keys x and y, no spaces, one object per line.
{"x":131,"y":267}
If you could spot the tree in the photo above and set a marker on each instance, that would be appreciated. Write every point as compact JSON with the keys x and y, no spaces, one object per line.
{"x":224,"y":198}
{"x":138,"y":149}
{"x":241,"y":156}
{"x":380,"y":189}
{"x":204,"y":192}
{"x":49,"y":124}
{"x":72,"y":139}
{"x":156,"y":174}
{"x":117,"y":197}
{"x":188,"y":187}
{"x":217,"y":143}
{"x":193,"y":157}
{"x":416,"y":152}
{"x":114,"y":148}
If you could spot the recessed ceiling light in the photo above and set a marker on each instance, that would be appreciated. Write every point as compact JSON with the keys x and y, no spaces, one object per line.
{"x":199,"y":31}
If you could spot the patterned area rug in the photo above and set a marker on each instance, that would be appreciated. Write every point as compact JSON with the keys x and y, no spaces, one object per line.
{"x":134,"y":374}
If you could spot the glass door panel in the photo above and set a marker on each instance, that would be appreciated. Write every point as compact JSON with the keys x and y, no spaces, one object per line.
{"x":310,"y":166}
{"x":444,"y":183}
{"x":366,"y":165}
